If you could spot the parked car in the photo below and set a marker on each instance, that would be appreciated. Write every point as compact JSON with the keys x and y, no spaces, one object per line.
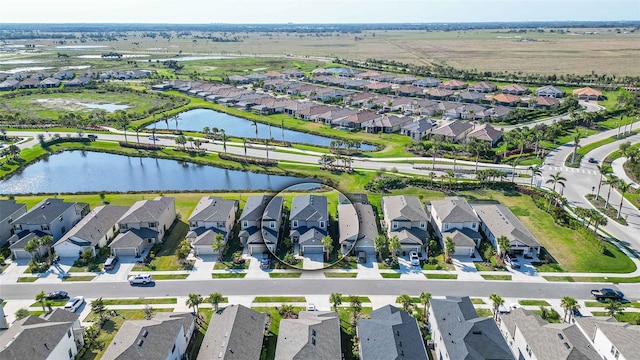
{"x":140,"y":279}
{"x":413,"y":257}
{"x":311,"y":307}
{"x":512,"y":261}
{"x":74,"y":304}
{"x":607,"y":294}
{"x":110,"y":263}
{"x":264,"y":263}
{"x":56,"y":295}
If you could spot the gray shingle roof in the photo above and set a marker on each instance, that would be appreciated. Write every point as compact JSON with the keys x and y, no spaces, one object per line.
{"x":419,"y":126}
{"x":622,"y":335}
{"x":502,"y":222}
{"x":44,"y":212}
{"x":465,"y":335}
{"x":263,"y":206}
{"x":485,"y":132}
{"x":213,"y":209}
{"x":161,"y":333}
{"x":453,"y":129}
{"x":147,"y":210}
{"x":459,"y":238}
{"x":454,"y":210}
{"x":19,"y":240}
{"x":413,"y":236}
{"x":549,"y":341}
{"x":9,"y":207}
{"x":34,"y":338}
{"x":202,"y":236}
{"x":404,"y":207}
{"x":311,"y":236}
{"x":309,"y":208}
{"x":314,"y":335}
{"x":237,"y":333}
{"x":390,"y":334}
{"x":348,"y":223}
{"x":133,"y":238}
{"x":96,"y":224}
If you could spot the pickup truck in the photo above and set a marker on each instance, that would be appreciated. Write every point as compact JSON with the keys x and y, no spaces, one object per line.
{"x":606,"y":294}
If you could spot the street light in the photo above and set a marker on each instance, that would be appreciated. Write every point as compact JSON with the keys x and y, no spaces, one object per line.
{"x":617,"y":136}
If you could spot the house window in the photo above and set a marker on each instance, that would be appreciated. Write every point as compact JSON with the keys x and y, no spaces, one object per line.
{"x":613,"y":349}
{"x":70,"y":354}
{"x":149,"y":241}
{"x":123,"y":227}
{"x":528,"y":350}
{"x":245,"y":224}
{"x":69,"y":333}
{"x":221,"y":225}
{"x":322,"y":224}
{"x":446,"y":226}
{"x":313,"y":341}
{"x":617,"y":354}
{"x":395,"y":225}
{"x":423,"y":224}
{"x":295,"y":223}
{"x":313,"y":332}
{"x":152,"y":224}
{"x":17,"y":227}
{"x":272,"y":224}
{"x":474,"y":225}
{"x":63,"y":230}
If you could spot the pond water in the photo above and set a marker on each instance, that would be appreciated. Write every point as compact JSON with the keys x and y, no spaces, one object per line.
{"x":105,"y":107}
{"x":78,"y":171}
{"x":196,"y":120}
{"x":195,"y":58}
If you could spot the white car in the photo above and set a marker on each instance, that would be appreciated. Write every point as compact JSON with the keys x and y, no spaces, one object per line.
{"x":415,"y":260}
{"x":74,"y":303}
{"x":140,"y":279}
{"x":311,"y":307}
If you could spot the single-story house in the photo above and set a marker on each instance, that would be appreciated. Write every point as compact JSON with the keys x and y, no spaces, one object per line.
{"x":483,"y":87}
{"x":453,"y":84}
{"x":427,"y":82}
{"x":486,"y":132}
{"x":387,"y":124}
{"x":506,"y":99}
{"x":587,"y":93}
{"x":455,"y":130}
{"x":549,"y":91}
{"x":497,"y":220}
{"x":418,"y":129}
{"x":515,"y":89}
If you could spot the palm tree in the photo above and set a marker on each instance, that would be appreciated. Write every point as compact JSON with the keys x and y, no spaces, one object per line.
{"x":576,"y":145}
{"x":612,"y":181}
{"x":215,"y":299}
{"x":206,"y":130}
{"x":98,"y":307}
{"x":327,"y":242}
{"x":32,"y":247}
{"x":406,"y":301}
{"x":604,"y":170}
{"x":504,"y":245}
{"x":568,"y":304}
{"x":41,"y":297}
{"x":124,"y":124}
{"x":266,"y":147}
{"x":336,"y":300}
{"x":554,"y":179}
{"x":425,"y":299}
{"x":255,"y":124}
{"x":394,"y":247}
{"x":614,"y":307}
{"x":449,"y":248}
{"x":181,"y":140}
{"x":282,"y":128}
{"x":194,"y":301}
{"x":224,"y":141}
{"x":46,"y":241}
{"x":244,"y":143}
{"x":497,"y":302}
{"x":356,"y":308}
{"x":137,"y":130}
{"x":434,"y":150}
{"x":218,"y":245}
{"x":535,"y":170}
{"x":623,"y":187}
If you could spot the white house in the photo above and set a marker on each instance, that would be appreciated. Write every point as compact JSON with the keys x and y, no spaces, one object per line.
{"x":213,"y":215}
{"x":611,"y":339}
{"x":454,"y":218}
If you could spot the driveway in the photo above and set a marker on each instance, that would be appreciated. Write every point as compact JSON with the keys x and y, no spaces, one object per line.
{"x":254,"y":271}
{"x":368,"y":269}
{"x":465,"y":268}
{"x":313,"y":261}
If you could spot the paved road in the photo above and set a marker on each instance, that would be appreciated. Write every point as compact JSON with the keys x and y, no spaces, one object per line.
{"x":231,"y":287}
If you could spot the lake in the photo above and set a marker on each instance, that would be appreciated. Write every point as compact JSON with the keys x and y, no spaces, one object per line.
{"x":78,"y":171}
{"x":196,"y":120}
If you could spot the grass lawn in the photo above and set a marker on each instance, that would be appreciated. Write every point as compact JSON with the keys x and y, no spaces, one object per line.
{"x":170,"y":276}
{"x":632,"y":318}
{"x":477,"y":301}
{"x":165,"y":259}
{"x":228,"y":275}
{"x":284,"y":275}
{"x":140,"y":301}
{"x":79,"y":278}
{"x":36,"y":312}
{"x":441,"y":276}
{"x":533,"y":303}
{"x":549,"y":319}
{"x":340,"y":275}
{"x":482,"y":312}
{"x":229,"y":265}
{"x":27,"y":279}
{"x":614,"y":280}
{"x":279,"y":299}
{"x":59,"y":302}
{"x":496,"y":277}
{"x":347,"y":332}
{"x":390,"y":275}
{"x":271,"y":335}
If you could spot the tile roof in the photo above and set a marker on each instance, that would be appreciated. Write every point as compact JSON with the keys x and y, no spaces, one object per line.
{"x":314,"y":335}
{"x":485,"y":132}
{"x":453,"y":129}
{"x":506,"y":98}
{"x":515,"y":88}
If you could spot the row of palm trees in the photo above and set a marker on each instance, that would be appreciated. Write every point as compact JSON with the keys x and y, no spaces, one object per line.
{"x":33,"y":246}
{"x":195,"y":300}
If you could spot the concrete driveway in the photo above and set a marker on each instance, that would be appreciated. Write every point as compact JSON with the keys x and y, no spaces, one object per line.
{"x":313,"y":261}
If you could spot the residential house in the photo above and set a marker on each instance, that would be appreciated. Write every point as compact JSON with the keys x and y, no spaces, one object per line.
{"x":64,"y":75}
{"x":458,"y":333}
{"x":383,"y":78}
{"x":427,"y":82}
{"x":494,"y":113}
{"x":367,"y":74}
{"x":310,"y":113}
{"x":453,"y":217}
{"x":360,"y":99}
{"x":309,"y":219}
{"x":409,"y":90}
{"x":461,"y":111}
{"x":9,"y":84}
{"x":406,"y":218}
{"x":50,"y":83}
{"x":453,"y":84}
{"x":212,"y":216}
{"x":357,"y":227}
{"x":9,"y":211}
{"x":51,"y":216}
{"x":515,"y":89}
{"x":79,"y":81}
{"x":387,"y":124}
{"x":256,"y":77}
{"x":588,"y":93}
{"x":165,"y":336}
{"x":313,"y":335}
{"x":274,"y":75}
{"x":483,"y":87}
{"x":234,"y":333}
{"x":293,"y":74}
{"x":380,"y":87}
{"x":260,"y":223}
{"x":92,"y":232}
{"x":439,"y":93}
{"x":506,"y":99}
{"x":144,"y":224}
{"x":52,"y":336}
{"x":544,"y":102}
{"x":549,"y":91}
{"x":611,"y":339}
{"x":471,"y":96}
{"x":455,"y":130}
{"x":390,"y":334}
{"x":238,"y":79}
{"x":358,"y":120}
{"x":418,"y":129}
{"x":403,"y":80}
{"x":532,"y":338}
{"x":19,"y":240}
{"x":29,"y":83}
{"x":335,"y":114}
{"x":486,"y":132}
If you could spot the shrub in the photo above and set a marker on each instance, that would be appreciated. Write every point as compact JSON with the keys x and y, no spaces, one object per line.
{"x":22,"y":313}
{"x":139,"y":146}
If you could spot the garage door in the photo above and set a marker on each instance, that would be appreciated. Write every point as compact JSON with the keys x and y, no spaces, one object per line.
{"x":125,"y":252}
{"x":67,"y":250}
{"x":204,"y":250}
{"x":369,"y":250}
{"x":257,"y":249}
{"x":463,"y":251}
{"x":21,"y":254}
{"x":313,"y":249}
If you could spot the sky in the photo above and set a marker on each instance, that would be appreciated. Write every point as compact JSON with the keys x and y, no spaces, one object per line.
{"x":312,"y":11}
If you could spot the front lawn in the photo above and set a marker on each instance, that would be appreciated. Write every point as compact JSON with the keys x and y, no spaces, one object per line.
{"x":284,"y":275}
{"x":165,"y":259}
{"x":279,"y":299}
{"x":632,"y":318}
{"x":228,"y":275}
{"x":533,"y":303}
{"x":140,"y":301}
{"x":441,"y":276}
{"x":58,"y":302}
{"x":391,"y":275}
{"x":79,"y":278}
{"x":340,"y":275}
{"x":496,"y":277}
{"x":170,"y":276}
{"x":482,"y":312}
{"x":27,"y":279}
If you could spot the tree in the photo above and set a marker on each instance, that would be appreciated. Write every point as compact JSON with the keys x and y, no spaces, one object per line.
{"x":255,"y":124}
{"x":336,"y":300}
{"x":288,"y":311}
{"x":181,"y":140}
{"x":381,"y":245}
{"x":46,"y":241}
{"x":183,"y":250}
{"x":623,"y":187}
{"x":266,"y":147}
{"x":449,"y":248}
{"x":224,"y":141}
{"x":394,"y":247}
{"x":137,"y":130}
{"x":504,"y":245}
{"x":568,"y":304}
{"x":604,"y":170}
{"x":32,"y":247}
{"x":576,"y":145}
{"x":91,"y":333}
{"x":535,"y":171}
{"x":215,"y":299}
{"x":22,"y":313}
{"x":148,"y":312}
{"x":554,"y":179}
{"x":406,"y":302}
{"x":497,"y":301}
{"x":327,"y":242}
{"x":612,"y":181}
{"x":41,"y":297}
{"x":194,"y":302}
{"x":98,"y":308}
{"x":218,"y":245}
{"x":356,"y":309}
{"x":614,"y":307}
{"x":124,"y":125}
{"x":425,"y":299}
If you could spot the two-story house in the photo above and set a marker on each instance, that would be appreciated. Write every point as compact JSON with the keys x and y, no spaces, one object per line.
{"x":357,"y":225}
{"x":52,"y":336}
{"x":144,"y":224}
{"x":498,"y":220}
{"x":212,"y":216}
{"x":610,"y":338}
{"x":313,"y":335}
{"x":454,"y":218}
{"x":165,"y":336}
{"x":260,"y":223}
{"x":9,"y":211}
{"x":309,"y":221}
{"x":406,"y":218}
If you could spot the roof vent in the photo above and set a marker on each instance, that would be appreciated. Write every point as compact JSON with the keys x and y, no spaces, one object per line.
{"x":140,"y":342}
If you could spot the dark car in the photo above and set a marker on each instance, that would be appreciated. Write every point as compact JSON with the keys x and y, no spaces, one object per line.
{"x":110,"y":263}
{"x":56,"y":295}
{"x":607,"y":294}
{"x":593,"y":160}
{"x":92,"y":137}
{"x":264,"y":263}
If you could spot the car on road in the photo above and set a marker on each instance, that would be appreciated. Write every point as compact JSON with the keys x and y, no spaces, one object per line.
{"x":92,"y":137}
{"x":110,"y":263}
{"x":413,"y":257}
{"x":74,"y":303}
{"x":311,"y":307}
{"x":512,"y":261}
{"x":264,"y":263}
{"x":607,"y":294}
{"x":593,"y":160}
{"x":54,"y":295}
{"x":140,"y":279}
{"x":154,"y":138}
